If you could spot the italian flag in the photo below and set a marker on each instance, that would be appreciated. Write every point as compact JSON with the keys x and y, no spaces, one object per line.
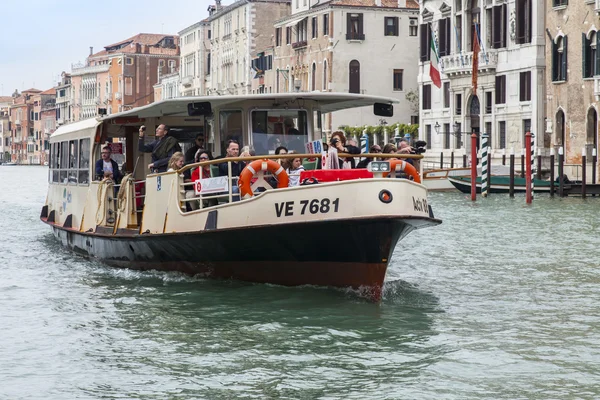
{"x":434,"y":69}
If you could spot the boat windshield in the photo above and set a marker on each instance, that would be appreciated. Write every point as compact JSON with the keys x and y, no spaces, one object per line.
{"x":274,"y":128}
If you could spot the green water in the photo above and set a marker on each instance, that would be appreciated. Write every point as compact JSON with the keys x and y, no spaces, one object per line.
{"x":498,"y":302}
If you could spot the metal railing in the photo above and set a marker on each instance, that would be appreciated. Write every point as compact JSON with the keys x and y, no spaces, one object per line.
{"x":231,"y":195}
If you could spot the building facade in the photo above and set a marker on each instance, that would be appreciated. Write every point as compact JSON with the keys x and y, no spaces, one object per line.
{"x":237,"y":32}
{"x":195,"y":47}
{"x":64,"y":111}
{"x":509,"y":99}
{"x":22,"y":127}
{"x":367,"y":47}
{"x":123,"y":75}
{"x":573,"y":78}
{"x":5,"y":139}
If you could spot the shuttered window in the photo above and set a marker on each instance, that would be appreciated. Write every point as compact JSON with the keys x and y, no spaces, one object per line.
{"x":559,"y":59}
{"x":354,"y":27}
{"x":525,"y":86}
{"x":426,"y":97}
{"x":444,"y":36}
{"x":502,"y":134}
{"x":589,"y":55}
{"x":425,"y":41}
{"x":523,"y":19}
{"x":500,"y":89}
{"x":499,"y":26}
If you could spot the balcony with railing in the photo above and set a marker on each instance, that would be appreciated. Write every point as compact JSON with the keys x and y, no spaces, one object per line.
{"x":187,"y":80}
{"x":355,"y":36}
{"x":299,"y":45}
{"x":90,"y":69}
{"x":458,"y":64}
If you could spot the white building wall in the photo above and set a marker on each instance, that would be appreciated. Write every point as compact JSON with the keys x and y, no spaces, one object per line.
{"x":509,"y":61}
{"x":194,"y":49}
{"x":378,"y":55}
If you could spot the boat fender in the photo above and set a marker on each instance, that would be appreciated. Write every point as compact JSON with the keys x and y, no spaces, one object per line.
{"x":245,"y":181}
{"x":401,"y":165}
{"x":310,"y":181}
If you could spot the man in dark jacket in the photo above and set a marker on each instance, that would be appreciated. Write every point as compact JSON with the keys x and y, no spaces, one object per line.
{"x":191,"y":153}
{"x":107,"y":165}
{"x":162,"y":148}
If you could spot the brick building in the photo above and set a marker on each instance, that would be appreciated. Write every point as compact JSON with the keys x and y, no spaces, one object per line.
{"x":123,"y":75}
{"x":22,"y":127}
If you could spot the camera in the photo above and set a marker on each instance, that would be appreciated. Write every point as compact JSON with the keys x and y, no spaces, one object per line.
{"x":420,"y":147}
{"x":334,"y":141}
{"x":144,"y":128}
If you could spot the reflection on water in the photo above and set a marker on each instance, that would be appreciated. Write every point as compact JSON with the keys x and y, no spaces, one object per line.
{"x":497,"y":302}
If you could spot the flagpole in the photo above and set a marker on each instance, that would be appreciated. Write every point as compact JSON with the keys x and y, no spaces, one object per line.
{"x":462,"y":62}
{"x":478,"y":31}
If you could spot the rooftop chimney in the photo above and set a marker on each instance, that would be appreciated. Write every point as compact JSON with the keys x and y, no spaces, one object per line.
{"x":218,"y":4}
{"x":91,"y":50}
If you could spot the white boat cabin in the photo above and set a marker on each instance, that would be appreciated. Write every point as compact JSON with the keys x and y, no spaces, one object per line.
{"x":80,"y":200}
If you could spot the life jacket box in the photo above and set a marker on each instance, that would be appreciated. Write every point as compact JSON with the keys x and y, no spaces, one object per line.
{"x":334,"y":175}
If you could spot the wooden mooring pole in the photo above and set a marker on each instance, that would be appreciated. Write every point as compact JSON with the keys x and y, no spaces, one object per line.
{"x":594,"y":163}
{"x":473,"y":166}
{"x":561,"y":181}
{"x":452,"y":160}
{"x":442,"y":160}
{"x":528,"y":181}
{"x":583,"y":172}
{"x":503,"y":156}
{"x":464,"y":161}
{"x":523,"y":163}
{"x":552,"y":172}
{"x":511,"y":185}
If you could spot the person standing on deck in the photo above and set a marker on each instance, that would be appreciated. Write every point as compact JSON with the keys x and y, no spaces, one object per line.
{"x":162,"y":148}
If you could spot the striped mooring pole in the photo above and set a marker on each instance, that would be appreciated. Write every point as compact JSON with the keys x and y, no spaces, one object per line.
{"x":484,"y":165}
{"x":364,"y":143}
{"x":532,"y":161}
{"x":528,"y":169}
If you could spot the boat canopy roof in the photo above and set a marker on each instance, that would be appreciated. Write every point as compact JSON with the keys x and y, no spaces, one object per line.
{"x":327,"y":102}
{"x":75,"y":129}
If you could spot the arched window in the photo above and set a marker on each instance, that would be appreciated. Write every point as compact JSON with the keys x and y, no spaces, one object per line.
{"x":560,"y":127}
{"x":325,"y":75}
{"x":559,"y":59}
{"x":313,"y":77}
{"x":354,"y":79}
{"x":590,"y":55}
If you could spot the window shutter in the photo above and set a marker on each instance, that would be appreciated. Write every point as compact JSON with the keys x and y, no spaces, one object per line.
{"x":522,"y":88}
{"x":597,"y":72}
{"x":496,"y":17}
{"x":554,"y":61}
{"x":565,"y":52}
{"x":448,"y":36}
{"x":360,"y":24}
{"x":348,"y":24}
{"x":441,"y":37}
{"x":424,"y":43}
{"x":584,"y":65}
{"x":529,"y":21}
{"x":397,"y":26}
{"x":504,"y":23}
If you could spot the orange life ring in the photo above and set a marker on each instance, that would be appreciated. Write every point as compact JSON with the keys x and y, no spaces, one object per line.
{"x":406,"y":167}
{"x":250,"y":170}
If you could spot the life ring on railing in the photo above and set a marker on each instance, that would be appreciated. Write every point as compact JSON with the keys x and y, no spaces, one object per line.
{"x":251,"y":169}
{"x":405,"y":167}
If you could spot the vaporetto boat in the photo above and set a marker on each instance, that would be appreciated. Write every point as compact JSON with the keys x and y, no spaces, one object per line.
{"x":338,"y":232}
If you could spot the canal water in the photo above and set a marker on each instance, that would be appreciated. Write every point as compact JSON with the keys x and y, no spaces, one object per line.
{"x":498,"y":302}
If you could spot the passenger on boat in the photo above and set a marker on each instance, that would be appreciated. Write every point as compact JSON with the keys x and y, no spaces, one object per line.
{"x":389,"y":148}
{"x":405,"y":148}
{"x":162,"y":148}
{"x":191,"y":152}
{"x":176,"y":162}
{"x":364,"y":163}
{"x":107,"y":164}
{"x":280,"y":150}
{"x":201,"y":156}
{"x":338,"y":140}
{"x":293,"y":167}
{"x":233,"y":150}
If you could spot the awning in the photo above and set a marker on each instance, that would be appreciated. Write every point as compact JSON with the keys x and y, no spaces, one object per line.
{"x":295,"y":21}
